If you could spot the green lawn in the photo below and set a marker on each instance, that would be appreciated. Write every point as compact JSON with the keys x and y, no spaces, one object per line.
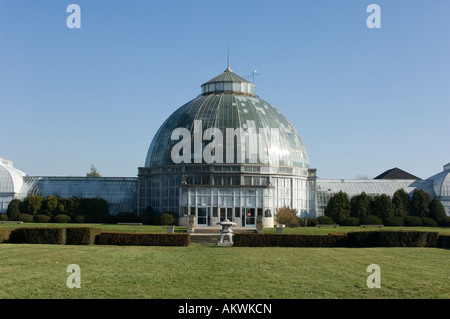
{"x":209,"y":271}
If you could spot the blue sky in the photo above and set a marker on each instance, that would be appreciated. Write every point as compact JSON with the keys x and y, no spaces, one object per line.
{"x":363,"y":100}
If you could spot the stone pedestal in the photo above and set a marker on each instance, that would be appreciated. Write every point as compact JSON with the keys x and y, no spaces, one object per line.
{"x":259,"y":225}
{"x":191,"y":224}
{"x":226,"y":232}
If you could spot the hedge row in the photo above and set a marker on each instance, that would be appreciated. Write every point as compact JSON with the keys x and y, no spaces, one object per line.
{"x":138,"y":239}
{"x":354,"y":239}
{"x":56,"y":235}
{"x":393,"y":239}
{"x":289,"y":240}
{"x":89,"y":236}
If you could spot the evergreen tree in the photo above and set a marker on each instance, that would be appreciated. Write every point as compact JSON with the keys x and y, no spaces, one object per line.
{"x":338,"y":207}
{"x":360,"y":205}
{"x":420,"y":203}
{"x":13,"y":211}
{"x":32,"y":204}
{"x":437,"y":210}
{"x":382,"y":206}
{"x":401,"y":202}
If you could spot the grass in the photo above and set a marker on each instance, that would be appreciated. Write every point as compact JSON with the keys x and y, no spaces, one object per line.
{"x":208,"y":271}
{"x":212,"y":272}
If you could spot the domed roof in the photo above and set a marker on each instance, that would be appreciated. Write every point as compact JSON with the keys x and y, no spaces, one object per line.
{"x":228,"y":102}
{"x":11,"y":179}
{"x":441,"y":182}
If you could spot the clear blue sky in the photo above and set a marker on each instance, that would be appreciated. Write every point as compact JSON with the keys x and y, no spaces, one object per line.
{"x":364,"y":100}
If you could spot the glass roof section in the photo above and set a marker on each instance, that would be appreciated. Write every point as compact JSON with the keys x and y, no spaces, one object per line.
{"x":228,"y":82}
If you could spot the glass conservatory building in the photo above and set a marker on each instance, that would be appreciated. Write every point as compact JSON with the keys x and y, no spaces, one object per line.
{"x":227,"y":154}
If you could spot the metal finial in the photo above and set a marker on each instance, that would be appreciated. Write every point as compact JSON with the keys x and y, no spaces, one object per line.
{"x":228,"y":59}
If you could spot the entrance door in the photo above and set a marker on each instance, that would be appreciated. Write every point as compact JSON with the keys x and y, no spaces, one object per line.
{"x":250,"y":218}
{"x":226,"y":213}
{"x":202,"y":216}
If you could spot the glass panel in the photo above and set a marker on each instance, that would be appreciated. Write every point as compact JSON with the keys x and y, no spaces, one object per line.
{"x":227,"y":87}
{"x":202,"y":216}
{"x":237,"y":212}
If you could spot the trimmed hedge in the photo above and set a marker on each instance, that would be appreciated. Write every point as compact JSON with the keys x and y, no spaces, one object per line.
{"x":393,"y":239}
{"x":81,"y":235}
{"x":39,"y":236}
{"x":444,"y":241}
{"x":5,"y":234}
{"x":139,"y":239}
{"x":289,"y":240}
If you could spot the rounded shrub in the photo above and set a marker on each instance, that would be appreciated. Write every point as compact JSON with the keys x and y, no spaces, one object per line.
{"x":61,"y":218}
{"x":429,"y":222}
{"x":41,"y":218}
{"x":394,"y":221}
{"x":3,"y":217}
{"x":83,"y":218}
{"x":165,"y":219}
{"x":325,"y":220}
{"x":371,"y":220}
{"x":309,"y":221}
{"x":350,"y":221}
{"x":413,"y":221}
{"x":286,"y":216}
{"x":26,"y":218}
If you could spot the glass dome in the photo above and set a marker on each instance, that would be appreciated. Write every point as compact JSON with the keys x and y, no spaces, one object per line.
{"x":244,"y":128}
{"x":11,"y":179}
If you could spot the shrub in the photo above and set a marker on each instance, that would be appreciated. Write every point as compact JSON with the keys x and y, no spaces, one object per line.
{"x":371,"y":220}
{"x":286,"y":216}
{"x":394,"y":221}
{"x":52,"y":235}
{"x":14,"y":209}
{"x":148,"y":239}
{"x":83,"y":218}
{"x":444,"y":221}
{"x":413,"y":221}
{"x":41,"y":218}
{"x":125,"y":217}
{"x":324,"y":220}
{"x":81,"y":235}
{"x":26,"y":218}
{"x":147,"y":220}
{"x":338,"y":207}
{"x":4,"y":217}
{"x":309,"y":221}
{"x":350,"y":221}
{"x":429,"y":222}
{"x":289,"y":240}
{"x":166,"y":218}
{"x":61,"y":218}
{"x":103,"y":218}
